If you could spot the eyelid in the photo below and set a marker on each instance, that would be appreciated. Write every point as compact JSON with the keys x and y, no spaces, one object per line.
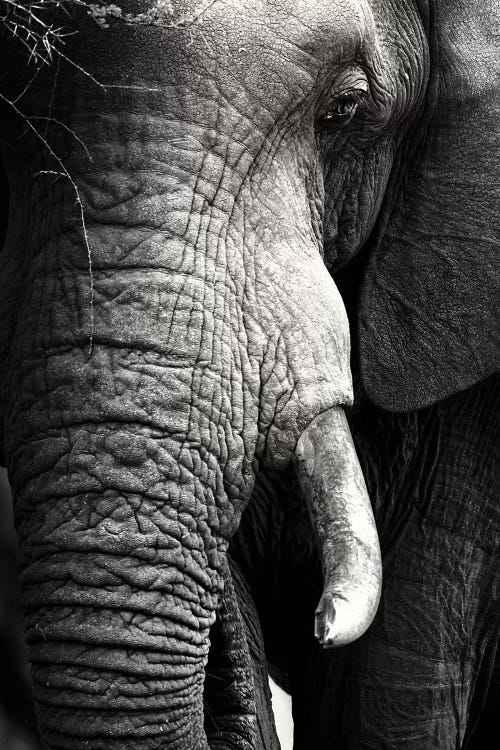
{"x":356,"y":95}
{"x":350,"y":81}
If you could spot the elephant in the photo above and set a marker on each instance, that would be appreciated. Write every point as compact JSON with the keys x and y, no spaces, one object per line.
{"x":207,"y":202}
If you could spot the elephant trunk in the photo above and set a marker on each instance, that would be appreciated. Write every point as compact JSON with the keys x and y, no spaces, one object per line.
{"x":120,"y":591}
{"x":122,"y":419}
{"x":332,"y":482}
{"x":117,"y":439}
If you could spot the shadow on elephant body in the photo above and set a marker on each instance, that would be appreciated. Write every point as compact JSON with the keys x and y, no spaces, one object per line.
{"x":237,"y":696}
{"x":17,"y":716}
{"x":421,"y":674}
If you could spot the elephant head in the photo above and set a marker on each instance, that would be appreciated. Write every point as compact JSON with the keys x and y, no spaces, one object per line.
{"x":184,"y":179}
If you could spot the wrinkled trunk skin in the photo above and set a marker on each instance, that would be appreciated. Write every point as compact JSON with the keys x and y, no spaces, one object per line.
{"x":116,"y":519}
{"x":118,"y":496}
{"x":144,"y":380}
{"x":116,"y":419}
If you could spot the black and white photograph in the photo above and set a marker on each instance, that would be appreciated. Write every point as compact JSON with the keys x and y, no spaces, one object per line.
{"x":249,"y":375}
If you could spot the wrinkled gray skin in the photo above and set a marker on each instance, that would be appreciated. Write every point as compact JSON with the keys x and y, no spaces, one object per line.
{"x":234,"y":161}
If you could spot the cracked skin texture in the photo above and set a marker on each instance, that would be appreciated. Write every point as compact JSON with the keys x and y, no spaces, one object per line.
{"x":138,"y":411}
{"x":140,"y":397}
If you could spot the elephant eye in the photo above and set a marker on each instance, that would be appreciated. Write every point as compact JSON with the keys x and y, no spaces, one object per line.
{"x":343,"y":108}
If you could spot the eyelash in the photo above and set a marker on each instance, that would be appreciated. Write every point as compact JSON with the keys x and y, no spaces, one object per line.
{"x":344,"y":107}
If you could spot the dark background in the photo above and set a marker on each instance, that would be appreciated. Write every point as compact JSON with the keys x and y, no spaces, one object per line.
{"x":15,"y":704}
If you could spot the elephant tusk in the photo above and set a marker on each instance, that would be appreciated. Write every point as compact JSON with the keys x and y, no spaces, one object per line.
{"x":332,"y":482}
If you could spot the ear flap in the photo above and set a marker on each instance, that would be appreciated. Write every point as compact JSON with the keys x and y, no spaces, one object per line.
{"x":429,"y":321}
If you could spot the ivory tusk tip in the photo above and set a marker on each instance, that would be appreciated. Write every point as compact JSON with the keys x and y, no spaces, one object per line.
{"x":339,"y":622}
{"x":325,"y":626}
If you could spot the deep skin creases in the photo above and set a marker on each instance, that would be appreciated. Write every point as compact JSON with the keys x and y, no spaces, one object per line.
{"x":217,"y":336}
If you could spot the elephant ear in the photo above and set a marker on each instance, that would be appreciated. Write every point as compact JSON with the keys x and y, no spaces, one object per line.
{"x":429,"y":319}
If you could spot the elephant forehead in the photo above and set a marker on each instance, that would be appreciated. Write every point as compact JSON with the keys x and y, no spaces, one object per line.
{"x":279,"y":44}
{"x":269,"y":51}
{"x":316,"y":27}
{"x":300,"y":22}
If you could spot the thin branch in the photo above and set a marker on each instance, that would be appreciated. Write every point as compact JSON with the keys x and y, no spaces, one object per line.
{"x":20,"y":96}
{"x":79,"y":203}
{"x":52,"y":95}
{"x":67,"y":128}
{"x":80,"y":69}
{"x":196,"y":17}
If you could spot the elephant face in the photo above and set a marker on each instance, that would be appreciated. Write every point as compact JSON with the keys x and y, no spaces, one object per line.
{"x":171,"y":328}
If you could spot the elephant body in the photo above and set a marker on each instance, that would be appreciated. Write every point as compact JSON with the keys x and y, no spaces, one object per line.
{"x":419,"y":677}
{"x":189,"y":188}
